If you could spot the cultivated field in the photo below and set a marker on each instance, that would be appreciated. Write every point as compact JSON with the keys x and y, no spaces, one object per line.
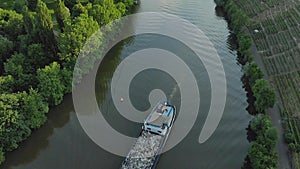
{"x":275,"y":29}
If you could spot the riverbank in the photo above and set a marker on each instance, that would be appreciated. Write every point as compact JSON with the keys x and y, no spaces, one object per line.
{"x":40,"y":48}
{"x":274,"y":113}
{"x":274,"y":29}
{"x":61,"y":143}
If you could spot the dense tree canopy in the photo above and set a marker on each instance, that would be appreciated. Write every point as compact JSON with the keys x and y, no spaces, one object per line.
{"x":50,"y":84}
{"x":6,"y":84}
{"x":261,"y":157}
{"x":31,"y":4}
{"x":12,"y":126}
{"x":105,"y":11}
{"x":78,"y":9}
{"x":6,"y":49}
{"x":33,"y":108}
{"x":261,"y":152}
{"x":18,"y":68}
{"x":260,"y":123}
{"x":253,"y":72}
{"x":62,"y":13}
{"x":37,"y":59}
{"x":264,"y":94}
{"x":70,"y":3}
{"x":44,"y":27}
{"x":244,"y":43}
{"x":11,"y":24}
{"x":237,"y":17}
{"x":2,"y":158}
{"x":74,"y":37}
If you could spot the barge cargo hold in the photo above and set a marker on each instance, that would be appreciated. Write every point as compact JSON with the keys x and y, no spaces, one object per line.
{"x":145,"y":152}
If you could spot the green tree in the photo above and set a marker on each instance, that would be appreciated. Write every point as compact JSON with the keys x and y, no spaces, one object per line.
{"x":44,"y":28}
{"x":6,"y":84}
{"x":31,"y":4}
{"x":18,"y":6}
{"x":62,"y":13}
{"x":18,"y":68}
{"x":6,"y":50}
{"x":289,"y":137}
{"x":74,"y":37}
{"x":67,"y":76}
{"x":128,"y":4}
{"x":70,"y":3}
{"x":78,"y":9}
{"x":12,"y":127}
{"x":50,"y":84}
{"x":264,"y":94}
{"x":29,"y":19}
{"x":260,"y":123}
{"x":220,"y":3}
{"x":253,"y":72}
{"x":105,"y":12}
{"x":37,"y":57}
{"x":11,"y":24}
{"x":237,"y":17}
{"x":261,"y":157}
{"x":121,"y":7}
{"x":2,"y":158}
{"x":268,"y":138}
{"x":33,"y":108}
{"x":244,"y":43}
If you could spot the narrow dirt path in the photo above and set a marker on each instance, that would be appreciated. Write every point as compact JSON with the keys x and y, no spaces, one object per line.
{"x":281,"y":146}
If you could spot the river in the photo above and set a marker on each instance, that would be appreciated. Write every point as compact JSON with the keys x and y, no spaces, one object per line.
{"x":62,"y":144}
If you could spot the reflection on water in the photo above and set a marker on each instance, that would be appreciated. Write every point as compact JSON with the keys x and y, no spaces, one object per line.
{"x":30,"y":149}
{"x":62,"y":144}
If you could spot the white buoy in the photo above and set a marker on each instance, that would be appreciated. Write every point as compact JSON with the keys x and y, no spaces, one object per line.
{"x":122,"y":99}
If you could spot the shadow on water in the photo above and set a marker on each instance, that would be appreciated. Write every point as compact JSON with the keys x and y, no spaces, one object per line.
{"x":231,"y":38}
{"x":69,"y":147}
{"x":30,"y":149}
{"x":233,"y":45}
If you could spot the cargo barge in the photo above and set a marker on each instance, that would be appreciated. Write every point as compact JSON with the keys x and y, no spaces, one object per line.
{"x":146,"y":151}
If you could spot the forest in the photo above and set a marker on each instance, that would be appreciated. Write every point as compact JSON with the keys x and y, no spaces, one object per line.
{"x":39,"y":44}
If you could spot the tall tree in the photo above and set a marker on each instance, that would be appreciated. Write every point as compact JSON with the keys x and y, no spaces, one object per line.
{"x":6,"y":84}
{"x":74,"y":37}
{"x":11,"y":24}
{"x":128,"y":4}
{"x":264,"y":94}
{"x":29,"y":22}
{"x":18,"y":68}
{"x":261,"y":157}
{"x":62,"y":13}
{"x":260,"y":123}
{"x":37,"y":57}
{"x":31,"y":4}
{"x":6,"y":50}
{"x":70,"y":3}
{"x":104,"y":12}
{"x":50,"y":84}
{"x":253,"y":72}
{"x":244,"y":43}
{"x":78,"y":9}
{"x":12,"y":127}
{"x":33,"y":108}
{"x":44,"y":27}
{"x":2,"y":158}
